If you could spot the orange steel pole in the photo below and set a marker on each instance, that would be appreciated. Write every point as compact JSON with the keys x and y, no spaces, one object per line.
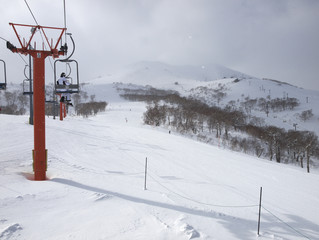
{"x":40,"y":160}
{"x":61,"y":111}
{"x":64,"y":108}
{"x":39,"y":152}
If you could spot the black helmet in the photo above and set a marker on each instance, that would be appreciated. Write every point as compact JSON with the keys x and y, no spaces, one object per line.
{"x":63,"y":74}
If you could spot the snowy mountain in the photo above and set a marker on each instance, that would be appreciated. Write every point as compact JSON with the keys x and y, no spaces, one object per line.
{"x":161,"y":74}
{"x":95,"y":186}
{"x":153,"y":71}
{"x":202,"y":82}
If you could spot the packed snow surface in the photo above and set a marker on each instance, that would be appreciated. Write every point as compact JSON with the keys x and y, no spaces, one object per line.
{"x":95,"y":186}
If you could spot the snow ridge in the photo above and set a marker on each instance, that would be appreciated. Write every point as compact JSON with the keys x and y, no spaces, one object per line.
{"x":10,"y":232}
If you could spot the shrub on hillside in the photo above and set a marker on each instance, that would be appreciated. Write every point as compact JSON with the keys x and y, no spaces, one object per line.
{"x":90,"y":108}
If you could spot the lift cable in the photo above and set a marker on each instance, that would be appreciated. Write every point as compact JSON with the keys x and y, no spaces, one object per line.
{"x":31,"y":12}
{"x":19,"y":53}
{"x":70,"y":35}
{"x":4,"y":39}
{"x":64,"y":19}
{"x":65,"y":34}
{"x":39,"y":31}
{"x":23,"y":60}
{"x":67,"y":59}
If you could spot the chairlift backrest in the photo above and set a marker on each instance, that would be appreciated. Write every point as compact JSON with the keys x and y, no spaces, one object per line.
{"x":26,"y":87}
{"x":3,"y":85}
{"x":74,"y":86}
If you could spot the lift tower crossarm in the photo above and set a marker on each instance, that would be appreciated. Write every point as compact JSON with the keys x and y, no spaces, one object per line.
{"x":24,"y":48}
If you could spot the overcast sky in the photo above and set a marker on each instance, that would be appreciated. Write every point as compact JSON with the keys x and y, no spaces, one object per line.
{"x":276,"y":39}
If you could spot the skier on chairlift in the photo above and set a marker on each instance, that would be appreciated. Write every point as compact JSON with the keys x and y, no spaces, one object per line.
{"x":65,"y":96}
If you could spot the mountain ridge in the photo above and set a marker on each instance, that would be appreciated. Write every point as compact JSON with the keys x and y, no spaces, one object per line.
{"x":142,"y":72}
{"x":235,"y":89}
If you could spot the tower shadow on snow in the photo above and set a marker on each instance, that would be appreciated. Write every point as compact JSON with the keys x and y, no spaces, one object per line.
{"x":239,"y":227}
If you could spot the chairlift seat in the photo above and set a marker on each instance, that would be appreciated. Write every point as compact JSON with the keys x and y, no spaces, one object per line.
{"x":26,"y":89}
{"x":72,"y":88}
{"x":3,"y":86}
{"x":51,"y":101}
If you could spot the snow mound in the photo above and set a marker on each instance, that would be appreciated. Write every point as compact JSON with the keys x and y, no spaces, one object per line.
{"x":10,"y":232}
{"x":186,"y":229}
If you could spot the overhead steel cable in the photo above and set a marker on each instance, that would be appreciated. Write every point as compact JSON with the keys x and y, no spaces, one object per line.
{"x":65,"y":38}
{"x":23,"y":60}
{"x":4,"y":39}
{"x":31,"y":12}
{"x":64,"y":17}
{"x":40,"y":31}
{"x":18,"y":53}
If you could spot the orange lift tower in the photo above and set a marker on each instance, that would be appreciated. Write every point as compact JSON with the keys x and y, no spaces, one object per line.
{"x":39,"y":152}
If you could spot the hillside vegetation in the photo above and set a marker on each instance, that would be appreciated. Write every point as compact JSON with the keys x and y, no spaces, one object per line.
{"x":232,"y":128}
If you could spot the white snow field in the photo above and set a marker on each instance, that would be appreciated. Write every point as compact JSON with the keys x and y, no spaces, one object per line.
{"x":95,"y":186}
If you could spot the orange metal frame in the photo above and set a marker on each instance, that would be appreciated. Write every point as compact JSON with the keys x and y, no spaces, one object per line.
{"x":62,"y":109}
{"x":24,"y":47}
{"x":39,"y":153}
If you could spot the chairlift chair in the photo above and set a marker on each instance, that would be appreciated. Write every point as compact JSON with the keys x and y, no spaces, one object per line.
{"x":26,"y":87}
{"x":3,"y":85}
{"x":74,"y":86}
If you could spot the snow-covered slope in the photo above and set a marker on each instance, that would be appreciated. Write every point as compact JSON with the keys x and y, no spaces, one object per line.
{"x":242,"y":90}
{"x":96,"y":180}
{"x":201,"y":82}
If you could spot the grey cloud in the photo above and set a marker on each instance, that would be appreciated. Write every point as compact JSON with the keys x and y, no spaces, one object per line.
{"x":273,"y":38}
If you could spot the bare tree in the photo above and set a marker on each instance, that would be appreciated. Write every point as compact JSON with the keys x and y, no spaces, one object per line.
{"x":306,"y":115}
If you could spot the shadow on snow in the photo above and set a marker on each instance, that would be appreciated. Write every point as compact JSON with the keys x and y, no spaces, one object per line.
{"x":239,"y":227}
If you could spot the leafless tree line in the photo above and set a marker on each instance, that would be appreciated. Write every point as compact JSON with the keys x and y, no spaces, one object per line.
{"x":90,"y":108}
{"x":232,"y":127}
{"x":13,"y":102}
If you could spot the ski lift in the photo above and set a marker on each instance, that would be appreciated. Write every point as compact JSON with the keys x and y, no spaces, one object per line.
{"x":74,"y":85}
{"x":3,"y":85}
